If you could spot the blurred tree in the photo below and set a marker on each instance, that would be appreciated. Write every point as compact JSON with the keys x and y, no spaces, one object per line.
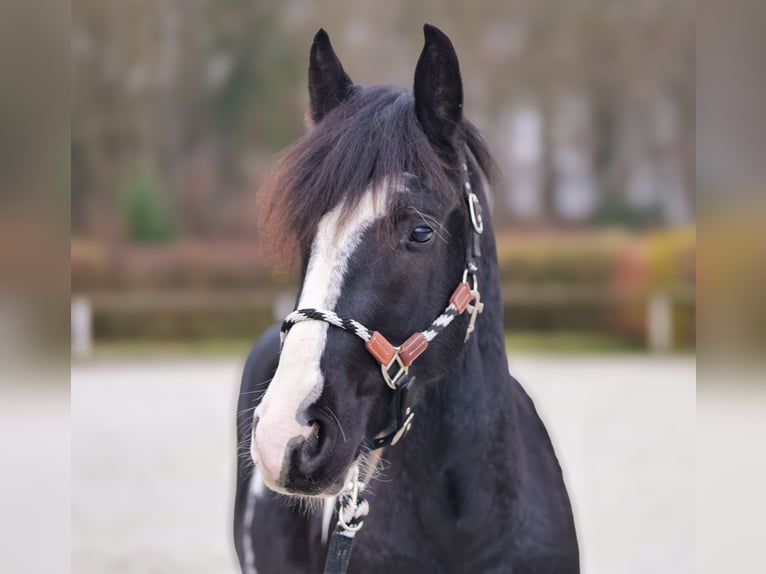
{"x":210,"y":90}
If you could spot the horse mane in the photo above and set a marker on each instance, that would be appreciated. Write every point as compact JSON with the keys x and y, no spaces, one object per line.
{"x":373,"y":136}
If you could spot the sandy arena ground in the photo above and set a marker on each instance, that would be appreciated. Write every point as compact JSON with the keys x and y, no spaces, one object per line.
{"x":153,"y":461}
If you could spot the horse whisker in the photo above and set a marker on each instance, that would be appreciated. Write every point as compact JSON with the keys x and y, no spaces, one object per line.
{"x":328,"y":410}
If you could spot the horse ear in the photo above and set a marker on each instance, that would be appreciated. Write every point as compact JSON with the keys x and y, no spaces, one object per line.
{"x":329,"y":84}
{"x":438,"y":89}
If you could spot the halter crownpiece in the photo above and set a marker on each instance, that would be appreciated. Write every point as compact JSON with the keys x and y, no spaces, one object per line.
{"x":395,"y":361}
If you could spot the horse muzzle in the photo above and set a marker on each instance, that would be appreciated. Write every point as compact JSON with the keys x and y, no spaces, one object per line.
{"x":298,"y":460}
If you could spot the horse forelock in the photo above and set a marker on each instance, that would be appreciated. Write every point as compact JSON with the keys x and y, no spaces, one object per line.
{"x":374,"y":136}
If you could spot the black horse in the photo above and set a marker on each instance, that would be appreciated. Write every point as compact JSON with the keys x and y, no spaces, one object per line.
{"x":383,"y":198}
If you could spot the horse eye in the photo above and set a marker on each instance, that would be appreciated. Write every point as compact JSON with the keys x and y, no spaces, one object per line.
{"x":422,"y":234}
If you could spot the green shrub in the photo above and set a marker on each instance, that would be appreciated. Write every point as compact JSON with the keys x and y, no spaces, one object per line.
{"x":559,"y":258}
{"x":147,"y":211}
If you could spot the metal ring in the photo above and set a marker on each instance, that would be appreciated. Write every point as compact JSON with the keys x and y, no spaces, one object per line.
{"x":476,"y":220}
{"x":466,"y":273}
{"x":348,"y":527}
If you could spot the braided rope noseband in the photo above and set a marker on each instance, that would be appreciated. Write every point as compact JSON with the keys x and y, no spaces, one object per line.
{"x":379,"y":347}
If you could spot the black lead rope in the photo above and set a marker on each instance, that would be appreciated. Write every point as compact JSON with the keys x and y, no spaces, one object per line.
{"x":352,"y":508}
{"x":339,"y":552}
{"x":342,"y":539}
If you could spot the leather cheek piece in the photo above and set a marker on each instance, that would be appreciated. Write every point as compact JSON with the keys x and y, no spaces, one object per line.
{"x":412,"y":348}
{"x":383,"y":351}
{"x":461,"y":297}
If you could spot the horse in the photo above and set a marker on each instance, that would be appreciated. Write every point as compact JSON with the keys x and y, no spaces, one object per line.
{"x":428,"y":443}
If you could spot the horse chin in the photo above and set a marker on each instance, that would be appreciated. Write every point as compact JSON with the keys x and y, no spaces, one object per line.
{"x":309,"y":491}
{"x":329,"y":492}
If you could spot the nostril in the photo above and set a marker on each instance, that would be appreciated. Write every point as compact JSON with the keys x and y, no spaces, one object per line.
{"x":311,"y":444}
{"x":316,"y":446}
{"x":314,"y":462}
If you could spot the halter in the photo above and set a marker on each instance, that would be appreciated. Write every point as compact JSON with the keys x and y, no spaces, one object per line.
{"x":389,"y":356}
{"x":395,"y":362}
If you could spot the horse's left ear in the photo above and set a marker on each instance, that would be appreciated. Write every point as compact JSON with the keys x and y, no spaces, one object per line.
{"x":329,"y":83}
{"x":438,"y":89}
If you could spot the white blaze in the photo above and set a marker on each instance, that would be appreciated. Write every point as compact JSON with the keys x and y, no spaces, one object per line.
{"x":298,"y":381}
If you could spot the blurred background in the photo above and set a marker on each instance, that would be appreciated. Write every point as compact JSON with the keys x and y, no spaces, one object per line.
{"x":179,"y":110}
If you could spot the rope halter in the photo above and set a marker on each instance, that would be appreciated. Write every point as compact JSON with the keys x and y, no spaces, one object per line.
{"x":396,"y":360}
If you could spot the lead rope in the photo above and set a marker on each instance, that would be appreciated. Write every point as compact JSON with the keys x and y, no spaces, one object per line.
{"x":352,"y":509}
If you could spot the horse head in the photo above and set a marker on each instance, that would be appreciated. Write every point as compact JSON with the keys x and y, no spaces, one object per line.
{"x":373,"y":195}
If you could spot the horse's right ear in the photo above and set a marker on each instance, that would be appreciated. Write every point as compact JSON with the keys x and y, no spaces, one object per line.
{"x":329,"y":84}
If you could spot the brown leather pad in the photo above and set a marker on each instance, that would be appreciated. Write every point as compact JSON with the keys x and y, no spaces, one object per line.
{"x":461,"y":297}
{"x":412,"y":348}
{"x":383,"y":351}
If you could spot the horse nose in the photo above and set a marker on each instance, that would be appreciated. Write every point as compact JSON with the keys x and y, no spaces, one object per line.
{"x":273,"y":443}
{"x":297,"y":457}
{"x":312,"y":454}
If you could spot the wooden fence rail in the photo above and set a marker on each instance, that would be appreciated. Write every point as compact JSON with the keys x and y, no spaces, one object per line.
{"x":658,"y":317}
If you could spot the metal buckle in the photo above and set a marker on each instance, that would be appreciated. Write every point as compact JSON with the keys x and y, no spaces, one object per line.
{"x":475,"y":306}
{"x":402,"y":370}
{"x":472,"y":273}
{"x":476,"y":219}
{"x":405,"y":428}
{"x":473,"y":309}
